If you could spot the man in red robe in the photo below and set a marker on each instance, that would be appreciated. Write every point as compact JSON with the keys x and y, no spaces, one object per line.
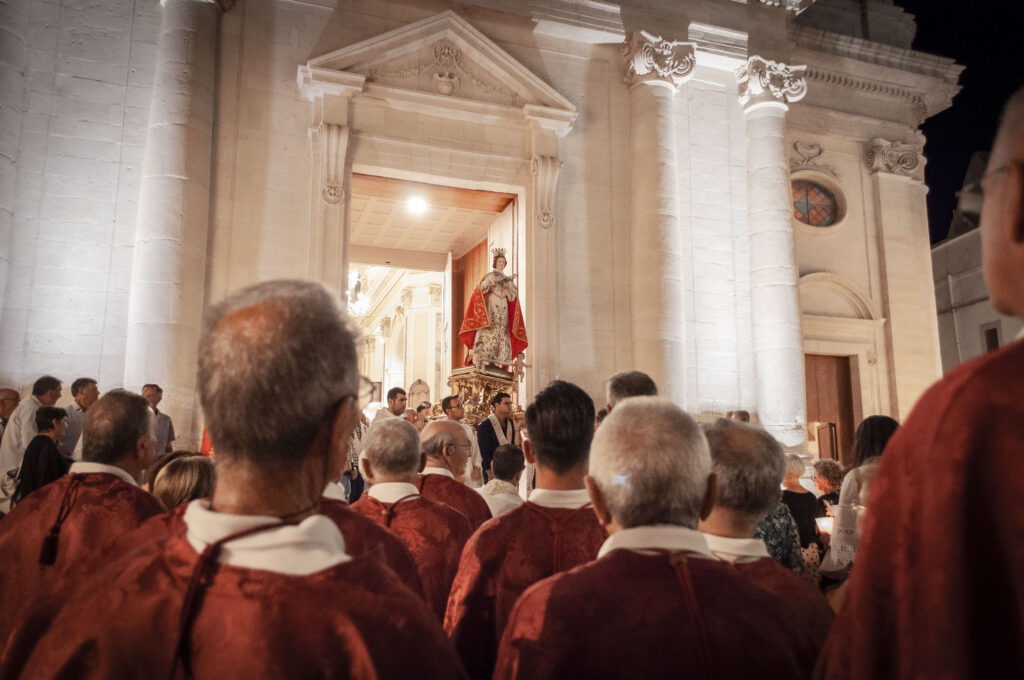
{"x":434,"y":532}
{"x":937,"y":589}
{"x":67,"y":524}
{"x":447,"y":448}
{"x":655,"y":603}
{"x":555,"y":530}
{"x":259,"y":585}
{"x":748,"y":465}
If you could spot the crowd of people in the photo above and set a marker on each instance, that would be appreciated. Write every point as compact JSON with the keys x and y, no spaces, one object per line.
{"x":648,"y":544}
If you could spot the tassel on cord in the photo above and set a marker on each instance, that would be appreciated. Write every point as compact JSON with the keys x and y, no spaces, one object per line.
{"x":48,"y":552}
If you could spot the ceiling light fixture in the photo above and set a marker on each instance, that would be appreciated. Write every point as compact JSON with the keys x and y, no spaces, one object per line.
{"x":416,"y":205}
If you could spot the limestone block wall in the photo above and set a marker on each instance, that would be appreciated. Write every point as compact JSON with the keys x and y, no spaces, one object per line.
{"x":88,"y":75}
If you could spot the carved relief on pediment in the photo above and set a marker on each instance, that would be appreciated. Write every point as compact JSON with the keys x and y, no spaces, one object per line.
{"x":441,"y":68}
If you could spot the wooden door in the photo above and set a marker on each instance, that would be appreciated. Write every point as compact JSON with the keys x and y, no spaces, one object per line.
{"x":466,"y":274}
{"x":830,"y":404}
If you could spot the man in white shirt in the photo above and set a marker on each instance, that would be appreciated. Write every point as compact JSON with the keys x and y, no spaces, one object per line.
{"x":154,"y":394}
{"x":453,"y":410}
{"x":502,"y":493}
{"x":84,"y":393}
{"x":20,"y":430}
{"x":397,"y":399}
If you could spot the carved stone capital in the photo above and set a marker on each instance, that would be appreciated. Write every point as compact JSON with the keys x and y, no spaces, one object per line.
{"x":333,"y":194}
{"x":435,"y":294}
{"x":895,"y":158}
{"x":545,"y":171}
{"x":406,"y":297}
{"x":334,"y":141}
{"x":650,"y":59}
{"x":385,"y":326}
{"x":762,"y":81}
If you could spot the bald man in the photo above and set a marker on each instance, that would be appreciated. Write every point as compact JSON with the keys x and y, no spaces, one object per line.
{"x":937,"y":589}
{"x":447,"y":449}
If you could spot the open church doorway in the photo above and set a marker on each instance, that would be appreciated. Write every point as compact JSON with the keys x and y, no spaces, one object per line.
{"x":417,"y":252}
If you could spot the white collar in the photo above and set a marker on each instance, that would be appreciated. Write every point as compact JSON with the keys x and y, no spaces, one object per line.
{"x":84,"y":468}
{"x":300,"y":549}
{"x":498,"y":487}
{"x":550,"y":498}
{"x":392,"y":492}
{"x":335,"y":491}
{"x":1020,"y":336}
{"x":656,"y":537}
{"x":445,"y":472}
{"x":736,"y":549}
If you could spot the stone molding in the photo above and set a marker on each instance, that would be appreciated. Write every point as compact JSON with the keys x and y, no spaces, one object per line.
{"x":406,"y":297}
{"x":915,"y":99}
{"x":762,"y":81}
{"x":795,"y":6}
{"x":335,"y":141}
{"x":385,"y":326}
{"x":807,"y":159}
{"x":435,"y":294}
{"x":843,"y":290}
{"x":895,"y":158}
{"x":652,"y":59}
{"x":545,"y":171}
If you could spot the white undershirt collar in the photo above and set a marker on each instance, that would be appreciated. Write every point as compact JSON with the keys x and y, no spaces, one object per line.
{"x":737,"y":550}
{"x":84,"y":468}
{"x":392,"y":492}
{"x":438,"y":471}
{"x":300,"y":549}
{"x":335,"y":492}
{"x":551,"y":498}
{"x":657,"y":537}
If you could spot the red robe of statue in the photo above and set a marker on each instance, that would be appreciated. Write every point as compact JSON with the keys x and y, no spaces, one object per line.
{"x":503,"y":559}
{"x":476,"y":318}
{"x":937,"y":588}
{"x":652,"y":616}
{"x":99,"y":507}
{"x":353,"y":620}
{"x":435,"y":535}
{"x":442,"y":489}
{"x":362,"y":537}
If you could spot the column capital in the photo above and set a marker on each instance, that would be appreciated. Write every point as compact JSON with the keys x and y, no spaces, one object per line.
{"x":651,"y":59}
{"x":895,"y":158}
{"x":765,"y":82}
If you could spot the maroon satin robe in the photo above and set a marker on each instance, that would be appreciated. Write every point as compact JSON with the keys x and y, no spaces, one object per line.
{"x":503,"y":559}
{"x":353,"y":620}
{"x":435,"y":535}
{"x":362,"y":537}
{"x":937,"y":588}
{"x":446,"y":490}
{"x":104,"y":507}
{"x":652,"y":616}
{"x":814,"y":613}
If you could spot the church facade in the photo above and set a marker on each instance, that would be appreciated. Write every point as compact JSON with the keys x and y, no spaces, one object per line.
{"x":727,"y":194}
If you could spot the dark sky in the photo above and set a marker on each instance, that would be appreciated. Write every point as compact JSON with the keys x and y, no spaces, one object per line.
{"x":986,"y":36}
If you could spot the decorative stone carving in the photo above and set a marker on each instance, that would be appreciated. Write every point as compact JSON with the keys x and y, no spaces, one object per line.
{"x":406,"y":297}
{"x":435,"y":294}
{"x":895,"y":158}
{"x":441,"y":69}
{"x":545,"y":171}
{"x":914,"y":98}
{"x":385,"y":326}
{"x":763,"y":81}
{"x":335,"y":141}
{"x":807,"y":155}
{"x":649,"y":58}
{"x":796,"y":6}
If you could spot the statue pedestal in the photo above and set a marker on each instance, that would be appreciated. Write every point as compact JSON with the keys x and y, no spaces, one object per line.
{"x":476,"y":387}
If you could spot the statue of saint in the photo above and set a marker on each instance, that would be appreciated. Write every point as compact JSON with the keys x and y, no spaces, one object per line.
{"x":493,"y":327}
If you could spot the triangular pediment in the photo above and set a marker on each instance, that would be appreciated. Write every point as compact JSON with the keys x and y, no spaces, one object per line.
{"x":444,"y":55}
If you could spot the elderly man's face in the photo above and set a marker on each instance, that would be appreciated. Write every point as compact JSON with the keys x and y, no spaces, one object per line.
{"x":458,"y":453}
{"x":51,"y":397}
{"x":88,"y":395}
{"x":8,"y":402}
{"x":397,"y":405}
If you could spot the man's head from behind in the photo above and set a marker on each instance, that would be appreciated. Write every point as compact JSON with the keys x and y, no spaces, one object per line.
{"x":397,"y":400}
{"x":120,"y":429}
{"x":629,"y":384}
{"x":560,"y":421}
{"x":649,"y":464}
{"x":391,"y":452}
{"x":507,"y":463}
{"x":9,"y":400}
{"x":1002,"y":212}
{"x":47,"y":390}
{"x":277,"y":362}
{"x":748,"y":464}
{"x":446,"y":444}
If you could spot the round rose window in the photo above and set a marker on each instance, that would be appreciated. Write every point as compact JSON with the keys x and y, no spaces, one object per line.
{"x":813,"y":204}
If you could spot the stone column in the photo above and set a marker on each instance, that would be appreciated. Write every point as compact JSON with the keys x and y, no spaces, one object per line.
{"x":655,"y":69}
{"x":765,"y":88}
{"x":165,"y":304}
{"x":13,"y":62}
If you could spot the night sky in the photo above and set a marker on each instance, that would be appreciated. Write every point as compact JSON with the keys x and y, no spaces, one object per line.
{"x":986,"y":36}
